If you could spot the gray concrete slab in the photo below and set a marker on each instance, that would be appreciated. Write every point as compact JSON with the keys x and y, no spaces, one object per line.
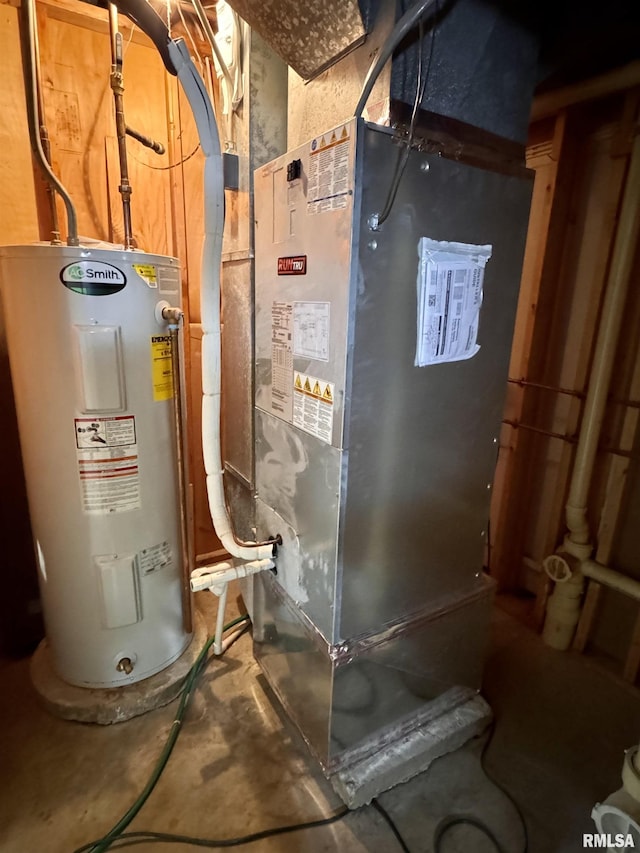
{"x":113,"y":705}
{"x":239,"y":766}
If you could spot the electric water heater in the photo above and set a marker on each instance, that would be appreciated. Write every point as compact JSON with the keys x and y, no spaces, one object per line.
{"x":92,"y":372}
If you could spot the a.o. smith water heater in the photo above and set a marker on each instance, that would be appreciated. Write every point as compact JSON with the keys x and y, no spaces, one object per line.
{"x":92,"y":372}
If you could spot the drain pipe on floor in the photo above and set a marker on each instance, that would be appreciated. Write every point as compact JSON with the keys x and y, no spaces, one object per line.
{"x":569,"y":566}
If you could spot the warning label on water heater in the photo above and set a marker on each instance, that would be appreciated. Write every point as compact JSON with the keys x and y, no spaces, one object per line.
{"x":107,"y":454}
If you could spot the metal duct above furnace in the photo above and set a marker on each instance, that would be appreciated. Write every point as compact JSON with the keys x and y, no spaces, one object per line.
{"x":309,"y":37}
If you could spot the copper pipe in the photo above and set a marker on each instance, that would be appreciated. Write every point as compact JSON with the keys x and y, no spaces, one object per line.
{"x":185,"y":527}
{"x":527,"y":383}
{"x":549,"y":433}
{"x":117,"y":87}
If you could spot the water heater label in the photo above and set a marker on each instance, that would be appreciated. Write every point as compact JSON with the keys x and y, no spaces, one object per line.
{"x":107,"y":455}
{"x":92,"y":278}
{"x":148,"y":273}
{"x":161,"y":367}
{"x":154,"y":558}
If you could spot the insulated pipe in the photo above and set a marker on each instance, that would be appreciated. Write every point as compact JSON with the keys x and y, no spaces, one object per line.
{"x":210,"y":303}
{"x":611,"y":579}
{"x":29,"y":20}
{"x":208,"y":31}
{"x":624,"y":249}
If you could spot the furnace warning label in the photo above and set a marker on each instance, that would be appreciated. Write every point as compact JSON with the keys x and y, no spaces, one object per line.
{"x":313,"y":405}
{"x":161,"y":367}
{"x":311,"y":330}
{"x":107,"y":455}
{"x":281,"y":359}
{"x":154,"y":558}
{"x":449,"y":287}
{"x":329,"y":171}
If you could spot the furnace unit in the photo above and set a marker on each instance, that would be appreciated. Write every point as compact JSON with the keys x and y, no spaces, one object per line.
{"x":385,"y":303}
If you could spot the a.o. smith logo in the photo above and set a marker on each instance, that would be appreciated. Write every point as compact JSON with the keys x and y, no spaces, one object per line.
{"x":92,"y":278}
{"x":295,"y":265}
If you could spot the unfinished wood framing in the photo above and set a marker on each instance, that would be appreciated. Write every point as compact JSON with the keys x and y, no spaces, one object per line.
{"x":167,"y":199}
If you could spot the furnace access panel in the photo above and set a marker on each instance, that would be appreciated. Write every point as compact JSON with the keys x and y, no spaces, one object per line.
{"x":381,"y":367}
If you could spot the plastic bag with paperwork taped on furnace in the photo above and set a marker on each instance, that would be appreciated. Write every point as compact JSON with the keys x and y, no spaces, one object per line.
{"x":449,"y":284}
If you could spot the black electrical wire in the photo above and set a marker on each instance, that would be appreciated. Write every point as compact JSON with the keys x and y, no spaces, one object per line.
{"x":468,"y":820}
{"x":387,"y":817}
{"x":130,"y":839}
{"x":421,"y":85}
{"x":116,"y":831}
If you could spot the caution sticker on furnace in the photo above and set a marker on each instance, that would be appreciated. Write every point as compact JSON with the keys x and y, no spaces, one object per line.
{"x":313,"y":405}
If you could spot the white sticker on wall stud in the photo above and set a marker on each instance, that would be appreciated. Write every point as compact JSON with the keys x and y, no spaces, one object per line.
{"x":313,"y":405}
{"x":449,"y":285}
{"x":107,"y":455}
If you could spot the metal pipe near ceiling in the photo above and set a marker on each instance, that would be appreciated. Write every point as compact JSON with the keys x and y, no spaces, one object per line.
{"x":31,"y":77}
{"x":117,"y":87}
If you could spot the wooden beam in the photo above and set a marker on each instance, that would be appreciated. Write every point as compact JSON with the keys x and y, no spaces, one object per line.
{"x":632,"y":663}
{"x":549,"y":103}
{"x":587,"y":617}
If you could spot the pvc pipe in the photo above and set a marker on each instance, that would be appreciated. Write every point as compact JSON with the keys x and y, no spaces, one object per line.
{"x":200,"y":103}
{"x":603,"y":361}
{"x":222,"y":604}
{"x":231,"y":638}
{"x":611,"y":579}
{"x":36,"y":144}
{"x":213,"y":577}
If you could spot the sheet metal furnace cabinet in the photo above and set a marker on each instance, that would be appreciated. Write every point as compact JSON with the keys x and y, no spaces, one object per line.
{"x":377,"y":473}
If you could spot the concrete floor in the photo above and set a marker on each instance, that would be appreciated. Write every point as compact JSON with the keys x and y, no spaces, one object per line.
{"x":239,"y":767}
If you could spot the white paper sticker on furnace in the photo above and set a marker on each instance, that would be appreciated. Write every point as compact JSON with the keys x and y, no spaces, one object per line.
{"x":449,"y":289}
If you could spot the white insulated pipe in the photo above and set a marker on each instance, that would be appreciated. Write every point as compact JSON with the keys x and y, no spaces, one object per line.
{"x":214,"y":577}
{"x":624,"y":250}
{"x":611,"y":579}
{"x":210,"y":303}
{"x":563,"y":610}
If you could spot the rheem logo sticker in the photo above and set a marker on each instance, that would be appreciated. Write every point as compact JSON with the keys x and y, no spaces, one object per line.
{"x":294,"y":265}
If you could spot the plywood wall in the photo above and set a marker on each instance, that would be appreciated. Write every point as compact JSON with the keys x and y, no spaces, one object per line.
{"x":167,"y":199}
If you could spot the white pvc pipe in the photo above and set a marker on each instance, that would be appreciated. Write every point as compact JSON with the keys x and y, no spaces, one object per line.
{"x":210,"y":301}
{"x":222,"y":605}
{"x":624,"y":250}
{"x":611,"y":579}
{"x":212,"y":577}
